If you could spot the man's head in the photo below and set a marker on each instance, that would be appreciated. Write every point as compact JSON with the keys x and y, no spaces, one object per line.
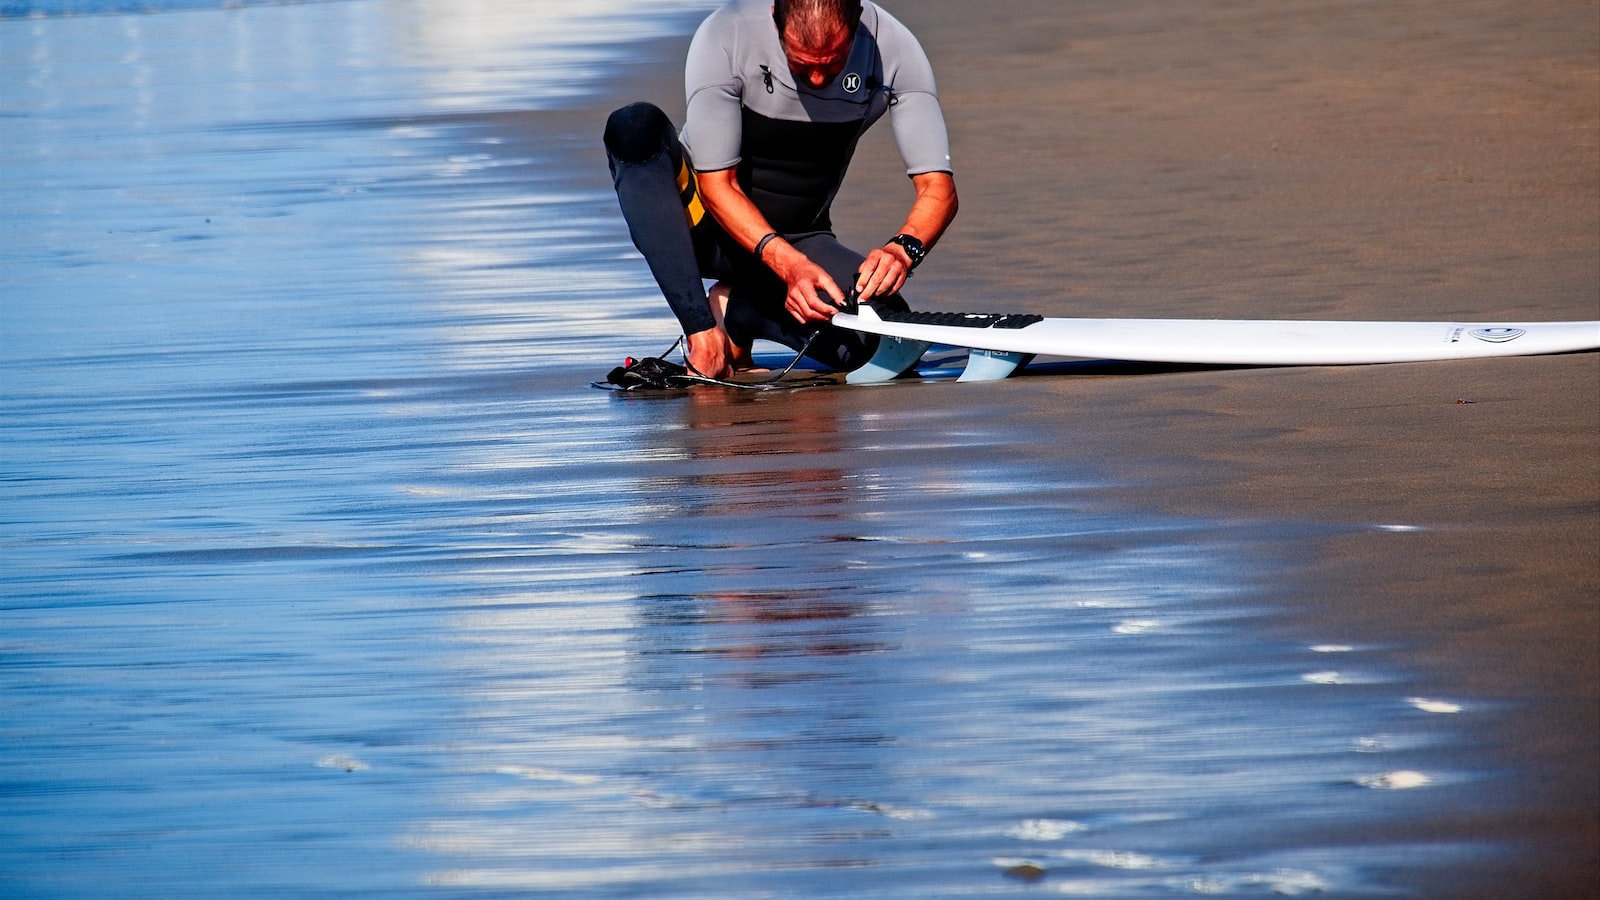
{"x":816,"y":36}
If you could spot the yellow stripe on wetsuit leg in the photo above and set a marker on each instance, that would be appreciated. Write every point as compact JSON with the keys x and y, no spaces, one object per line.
{"x":688,"y":190}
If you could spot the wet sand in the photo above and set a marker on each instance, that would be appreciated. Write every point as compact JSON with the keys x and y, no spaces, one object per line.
{"x":1420,"y":160}
{"x":1311,"y":159}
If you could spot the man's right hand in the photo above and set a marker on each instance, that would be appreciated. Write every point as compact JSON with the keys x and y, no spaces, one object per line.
{"x":813,"y":295}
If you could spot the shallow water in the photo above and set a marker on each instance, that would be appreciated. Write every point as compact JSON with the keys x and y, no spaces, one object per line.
{"x":326,"y":572}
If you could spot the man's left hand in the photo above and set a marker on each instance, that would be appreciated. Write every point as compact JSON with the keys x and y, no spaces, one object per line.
{"x":884,"y":271}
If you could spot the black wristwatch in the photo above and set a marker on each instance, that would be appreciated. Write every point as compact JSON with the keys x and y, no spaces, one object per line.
{"x":912,"y":246}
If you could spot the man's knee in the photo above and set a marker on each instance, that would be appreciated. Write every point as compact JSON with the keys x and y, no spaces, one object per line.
{"x":637,"y":132}
{"x":841,"y":349}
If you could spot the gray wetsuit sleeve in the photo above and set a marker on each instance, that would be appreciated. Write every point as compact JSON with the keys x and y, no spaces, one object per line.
{"x":915,"y":117}
{"x":713,"y":86}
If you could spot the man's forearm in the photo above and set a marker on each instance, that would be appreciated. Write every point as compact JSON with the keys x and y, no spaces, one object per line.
{"x":743,"y":222}
{"x":934,"y":208}
{"x":886,"y":268}
{"x":732,"y":209}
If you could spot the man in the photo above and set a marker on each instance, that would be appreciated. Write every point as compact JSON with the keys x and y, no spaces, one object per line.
{"x":778,"y":95}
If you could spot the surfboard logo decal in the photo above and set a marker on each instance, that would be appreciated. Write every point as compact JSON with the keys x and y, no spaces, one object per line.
{"x":1497,"y":335}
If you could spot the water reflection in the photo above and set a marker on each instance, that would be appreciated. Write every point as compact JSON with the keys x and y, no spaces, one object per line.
{"x":803,"y":639}
{"x":228,"y":173}
{"x":319,"y":550}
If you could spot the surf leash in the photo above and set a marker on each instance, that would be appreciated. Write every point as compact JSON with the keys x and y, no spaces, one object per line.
{"x":660,"y":373}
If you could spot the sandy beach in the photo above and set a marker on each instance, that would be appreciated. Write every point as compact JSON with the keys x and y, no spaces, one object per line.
{"x":328,"y":574}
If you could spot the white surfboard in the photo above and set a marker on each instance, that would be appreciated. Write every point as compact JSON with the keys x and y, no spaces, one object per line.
{"x":1000,"y":344}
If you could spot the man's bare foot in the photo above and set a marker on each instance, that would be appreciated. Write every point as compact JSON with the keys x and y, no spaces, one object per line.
{"x":739,"y":358}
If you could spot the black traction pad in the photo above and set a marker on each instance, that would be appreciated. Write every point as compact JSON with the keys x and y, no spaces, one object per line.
{"x":962,"y":320}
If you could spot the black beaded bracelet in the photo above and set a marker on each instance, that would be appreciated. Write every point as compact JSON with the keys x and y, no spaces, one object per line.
{"x":762,"y":244}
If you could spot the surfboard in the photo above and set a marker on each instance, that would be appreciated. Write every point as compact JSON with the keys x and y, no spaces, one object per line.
{"x":1001,"y":344}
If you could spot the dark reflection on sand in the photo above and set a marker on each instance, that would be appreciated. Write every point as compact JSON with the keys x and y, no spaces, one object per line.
{"x":326,"y":574}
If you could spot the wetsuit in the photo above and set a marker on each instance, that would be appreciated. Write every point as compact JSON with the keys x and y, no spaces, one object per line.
{"x":790,"y":146}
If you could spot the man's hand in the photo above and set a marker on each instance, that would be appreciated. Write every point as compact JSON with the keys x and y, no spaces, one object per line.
{"x":707,"y":352}
{"x":813,"y":295}
{"x":884,"y":271}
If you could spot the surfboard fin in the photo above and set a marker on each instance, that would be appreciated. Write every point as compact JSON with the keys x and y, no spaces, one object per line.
{"x":992,"y":365}
{"x":895,"y":357}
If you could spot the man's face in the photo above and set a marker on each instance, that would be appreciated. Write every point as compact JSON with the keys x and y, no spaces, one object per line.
{"x":818,"y":66}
